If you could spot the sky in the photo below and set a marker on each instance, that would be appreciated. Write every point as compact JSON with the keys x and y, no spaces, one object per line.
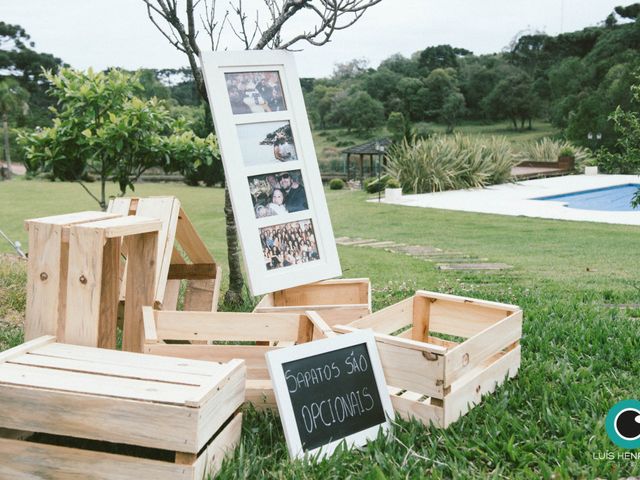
{"x":118,"y":33}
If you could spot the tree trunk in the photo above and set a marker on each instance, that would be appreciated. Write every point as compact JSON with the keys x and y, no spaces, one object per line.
{"x":233,"y":296}
{"x":515,"y":124}
{"x":530,"y":128}
{"x":7,"y":154}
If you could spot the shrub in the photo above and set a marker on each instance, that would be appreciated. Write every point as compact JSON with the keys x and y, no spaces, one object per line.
{"x":392,"y":183}
{"x":446,"y":162}
{"x":345,"y":143}
{"x":373,"y":185}
{"x":336,"y":184}
{"x":548,"y":150}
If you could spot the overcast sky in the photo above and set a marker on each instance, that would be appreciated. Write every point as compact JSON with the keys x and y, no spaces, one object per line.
{"x":104,"y":33}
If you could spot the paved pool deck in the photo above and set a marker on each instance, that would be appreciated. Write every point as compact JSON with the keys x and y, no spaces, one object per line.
{"x":516,"y":199}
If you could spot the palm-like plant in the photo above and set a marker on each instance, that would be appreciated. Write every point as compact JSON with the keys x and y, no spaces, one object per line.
{"x":13,"y":101}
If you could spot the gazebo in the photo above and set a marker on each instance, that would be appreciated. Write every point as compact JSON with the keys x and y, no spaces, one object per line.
{"x":374,"y":149}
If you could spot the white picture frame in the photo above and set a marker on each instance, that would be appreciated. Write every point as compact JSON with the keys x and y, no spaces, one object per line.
{"x":256,"y":80}
{"x":277,"y":358}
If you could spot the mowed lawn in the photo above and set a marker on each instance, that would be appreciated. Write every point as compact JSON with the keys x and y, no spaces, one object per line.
{"x":577,"y":283}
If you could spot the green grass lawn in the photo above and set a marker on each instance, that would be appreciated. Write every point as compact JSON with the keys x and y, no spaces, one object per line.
{"x":580,"y":348}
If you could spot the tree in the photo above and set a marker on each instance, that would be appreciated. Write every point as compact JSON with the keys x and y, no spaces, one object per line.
{"x":357,"y":110}
{"x":326,"y":18}
{"x":397,"y":126}
{"x":441,"y":56}
{"x":453,"y":109}
{"x":513,"y":97}
{"x":100,"y":129}
{"x":439,"y":85}
{"x":13,"y":102}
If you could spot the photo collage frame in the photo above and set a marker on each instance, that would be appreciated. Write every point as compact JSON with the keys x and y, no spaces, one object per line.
{"x":271,"y":169}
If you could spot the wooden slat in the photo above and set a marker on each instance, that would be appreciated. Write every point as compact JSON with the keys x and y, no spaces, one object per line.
{"x":259,"y":392}
{"x":109,"y":294}
{"x":43,"y":280}
{"x":421,"y":313}
{"x":253,"y":355}
{"x":125,"y":226}
{"x":399,"y":341}
{"x":422,"y":412}
{"x":84,"y":286}
{"x":388,"y":320}
{"x":120,"y":371}
{"x":167,"y":210}
{"x":409,"y":369}
{"x":140,"y":289}
{"x":468,"y":390}
{"x":151,"y":362}
{"x":224,"y":444}
{"x":221,"y":404}
{"x":328,"y":292}
{"x":26,"y":347}
{"x":463,"y":319}
{"x":474,"y":351}
{"x":320,"y":324}
{"x":34,"y":377}
{"x":468,"y":301}
{"x":209,"y":388}
{"x":191,"y":242}
{"x":226,"y":326}
{"x":71,"y":218}
{"x":149,"y":321}
{"x":30,"y":460}
{"x":198,"y":271}
{"x":119,"y":205}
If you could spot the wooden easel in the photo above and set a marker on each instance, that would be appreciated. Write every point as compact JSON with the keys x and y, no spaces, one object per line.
{"x":182,"y":255}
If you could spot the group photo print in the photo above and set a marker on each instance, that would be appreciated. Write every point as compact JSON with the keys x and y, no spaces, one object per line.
{"x":278,"y":193}
{"x":266,"y":142}
{"x":255,"y":92}
{"x":289,"y":244}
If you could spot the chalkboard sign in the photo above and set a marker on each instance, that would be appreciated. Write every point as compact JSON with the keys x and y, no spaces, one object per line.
{"x":329,"y":391}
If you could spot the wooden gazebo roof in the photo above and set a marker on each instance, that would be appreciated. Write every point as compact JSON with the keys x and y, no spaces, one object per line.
{"x":368,"y":148}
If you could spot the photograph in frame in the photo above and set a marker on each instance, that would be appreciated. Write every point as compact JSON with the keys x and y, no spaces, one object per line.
{"x":267,"y":143}
{"x":278,"y":193}
{"x":287,"y":244}
{"x":255,"y":92}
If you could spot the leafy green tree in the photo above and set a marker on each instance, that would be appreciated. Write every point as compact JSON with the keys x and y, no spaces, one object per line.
{"x":630,"y":11}
{"x":413,"y":94}
{"x":100,"y":129}
{"x":513,"y":98}
{"x":321,"y":100}
{"x":627,"y":125}
{"x":453,"y":109}
{"x":13,"y":102}
{"x":397,"y":63}
{"x":440,"y":84}
{"x":357,"y":111}
{"x":397,"y":126}
{"x":441,"y":56}
{"x":383,"y":85}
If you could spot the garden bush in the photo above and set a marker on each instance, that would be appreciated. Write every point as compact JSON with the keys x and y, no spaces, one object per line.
{"x":373,"y":185}
{"x":447,"y":162}
{"x":336,"y":184}
{"x":548,"y":150}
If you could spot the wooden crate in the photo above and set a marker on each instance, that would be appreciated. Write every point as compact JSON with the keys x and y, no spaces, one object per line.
{"x":441,"y":353}
{"x":81,"y":412}
{"x":337,"y":301}
{"x":219,"y":336}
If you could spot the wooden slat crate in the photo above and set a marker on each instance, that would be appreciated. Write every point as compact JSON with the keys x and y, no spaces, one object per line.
{"x":337,"y":301}
{"x":441,"y":353}
{"x":80,"y":412}
{"x":218,"y":337}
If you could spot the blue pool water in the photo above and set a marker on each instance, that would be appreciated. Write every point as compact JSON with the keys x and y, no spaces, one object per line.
{"x":611,"y":199}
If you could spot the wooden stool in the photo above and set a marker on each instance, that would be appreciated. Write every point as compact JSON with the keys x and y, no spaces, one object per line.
{"x":93,"y":282}
{"x":47,"y":271}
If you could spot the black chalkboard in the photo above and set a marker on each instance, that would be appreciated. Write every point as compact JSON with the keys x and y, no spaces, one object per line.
{"x":333,"y":395}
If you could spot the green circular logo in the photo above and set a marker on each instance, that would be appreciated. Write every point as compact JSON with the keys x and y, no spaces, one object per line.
{"x":623,"y":424}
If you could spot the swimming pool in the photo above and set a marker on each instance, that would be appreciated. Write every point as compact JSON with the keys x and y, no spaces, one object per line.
{"x":611,"y":199}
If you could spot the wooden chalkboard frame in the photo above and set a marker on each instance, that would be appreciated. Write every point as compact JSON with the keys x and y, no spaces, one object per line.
{"x":276,"y":359}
